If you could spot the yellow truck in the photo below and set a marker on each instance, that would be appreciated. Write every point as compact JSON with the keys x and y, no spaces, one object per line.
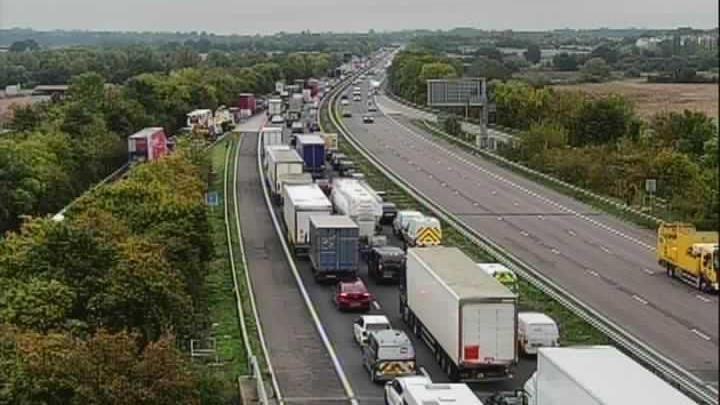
{"x":689,"y":255}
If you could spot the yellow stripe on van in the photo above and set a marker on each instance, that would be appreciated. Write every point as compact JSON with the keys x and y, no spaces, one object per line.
{"x":428,"y":237}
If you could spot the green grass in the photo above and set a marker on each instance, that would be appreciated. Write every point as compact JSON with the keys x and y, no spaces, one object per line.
{"x":573,"y":330}
{"x":223,"y":315}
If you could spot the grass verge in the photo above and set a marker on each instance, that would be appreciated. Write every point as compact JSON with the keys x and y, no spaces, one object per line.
{"x":221,"y":296}
{"x":573,"y":330}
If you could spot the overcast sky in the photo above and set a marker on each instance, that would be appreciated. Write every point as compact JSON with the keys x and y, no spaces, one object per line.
{"x":269,"y":16}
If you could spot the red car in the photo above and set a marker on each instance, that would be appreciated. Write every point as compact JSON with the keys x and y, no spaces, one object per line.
{"x":352,"y":295}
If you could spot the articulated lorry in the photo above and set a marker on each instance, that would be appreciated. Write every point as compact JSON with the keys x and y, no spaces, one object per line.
{"x":689,"y":254}
{"x":300,"y":203}
{"x":596,"y":375}
{"x":465,"y":316}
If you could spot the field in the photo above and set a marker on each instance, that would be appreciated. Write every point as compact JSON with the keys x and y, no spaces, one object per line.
{"x":650,"y":98}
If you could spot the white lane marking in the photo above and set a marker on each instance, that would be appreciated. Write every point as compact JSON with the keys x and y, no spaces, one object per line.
{"x":699,"y":333}
{"x":701,"y":298}
{"x":648,"y":271}
{"x":571,"y":232}
{"x":499,"y":218}
{"x":443,"y":184}
{"x":376,"y":305}
{"x":593,"y":273}
{"x":524,"y":189}
{"x":555,"y":251}
{"x":516,"y":204}
{"x":540,"y":217}
{"x":493,"y":192}
{"x":639,"y":299}
{"x":604,"y":249}
{"x":524,"y":233}
{"x":475,"y":204}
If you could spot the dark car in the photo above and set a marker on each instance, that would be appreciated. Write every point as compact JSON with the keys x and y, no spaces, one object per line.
{"x":352,"y":294}
{"x":386,"y":263}
{"x":389,"y":213}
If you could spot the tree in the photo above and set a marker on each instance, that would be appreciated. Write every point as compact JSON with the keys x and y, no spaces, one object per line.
{"x":533,"y":53}
{"x":22,"y":46}
{"x":104,"y":369}
{"x":595,"y":70}
{"x":602,"y":121}
{"x":687,"y":132}
{"x":565,"y":62}
{"x":606,"y":52}
{"x":539,"y":139}
{"x":488,"y":68}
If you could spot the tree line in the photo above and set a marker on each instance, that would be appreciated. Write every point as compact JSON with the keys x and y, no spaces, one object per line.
{"x":602,"y":145}
{"x":58,"y":149}
{"x":118,"y":64}
{"x":90,"y":306}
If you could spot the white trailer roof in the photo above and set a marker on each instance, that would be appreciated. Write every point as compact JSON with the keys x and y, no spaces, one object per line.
{"x":307,"y":195}
{"x":437,"y":394}
{"x":460,"y":274}
{"x":535,"y":318}
{"x":145,"y":132}
{"x":333,"y":221}
{"x":612,"y":377}
{"x":284,"y":156}
{"x":309,"y":139}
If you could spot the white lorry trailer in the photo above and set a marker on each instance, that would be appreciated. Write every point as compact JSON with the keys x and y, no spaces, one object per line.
{"x":596,"y":375}
{"x":419,"y":390}
{"x":300,"y":203}
{"x":274,"y":107}
{"x":466,"y":317}
{"x":270,"y":136}
{"x":355,"y":199}
{"x":281,"y":162}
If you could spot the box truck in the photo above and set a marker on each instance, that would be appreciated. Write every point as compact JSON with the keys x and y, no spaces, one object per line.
{"x":689,"y":255}
{"x":312,"y":150}
{"x":292,"y":179}
{"x":333,"y":247}
{"x":274,"y":107}
{"x":147,"y":144}
{"x":270,"y":136}
{"x":596,"y":375}
{"x":357,"y":200}
{"x":247,"y":102}
{"x":466,"y":317}
{"x":300,"y":203}
{"x":281,"y":162}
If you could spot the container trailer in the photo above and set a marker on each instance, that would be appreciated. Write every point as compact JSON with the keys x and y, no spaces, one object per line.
{"x":333,"y":247}
{"x":300,"y":203}
{"x":312,"y":149}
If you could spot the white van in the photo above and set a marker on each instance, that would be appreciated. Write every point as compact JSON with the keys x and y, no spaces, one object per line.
{"x":423,"y":231}
{"x":536,"y":329}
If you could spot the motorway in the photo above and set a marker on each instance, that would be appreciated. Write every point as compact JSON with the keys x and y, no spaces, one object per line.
{"x":608,"y":264}
{"x":303,"y":367}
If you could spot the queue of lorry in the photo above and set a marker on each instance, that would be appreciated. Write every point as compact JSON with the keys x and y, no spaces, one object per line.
{"x":466,"y":313}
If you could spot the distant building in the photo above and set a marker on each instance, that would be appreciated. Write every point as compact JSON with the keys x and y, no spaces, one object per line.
{"x":649,"y":42}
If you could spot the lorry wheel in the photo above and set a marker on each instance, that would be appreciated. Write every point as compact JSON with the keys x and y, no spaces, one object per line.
{"x":700,"y":283}
{"x":670,"y":271}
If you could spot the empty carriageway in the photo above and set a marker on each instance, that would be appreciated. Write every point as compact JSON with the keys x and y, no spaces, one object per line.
{"x":608,"y":264}
{"x":302,"y":365}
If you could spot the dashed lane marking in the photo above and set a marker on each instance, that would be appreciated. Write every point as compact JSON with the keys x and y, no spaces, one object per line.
{"x":376,"y":305}
{"x":700,"y":334}
{"x":639,"y":299}
{"x":703,"y":299}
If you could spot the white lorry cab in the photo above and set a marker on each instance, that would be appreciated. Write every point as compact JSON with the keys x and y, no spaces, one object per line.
{"x":536,"y":330}
{"x":419,"y":390}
